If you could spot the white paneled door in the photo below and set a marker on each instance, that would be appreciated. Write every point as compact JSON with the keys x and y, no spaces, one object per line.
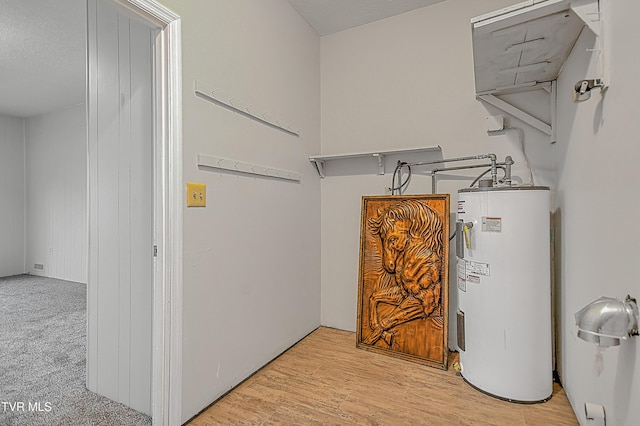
{"x":121,"y":170}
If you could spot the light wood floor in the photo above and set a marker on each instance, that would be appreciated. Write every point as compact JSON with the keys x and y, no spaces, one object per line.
{"x":325,"y":380}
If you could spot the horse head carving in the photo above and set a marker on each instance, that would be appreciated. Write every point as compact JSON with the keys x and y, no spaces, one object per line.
{"x":409,"y":223}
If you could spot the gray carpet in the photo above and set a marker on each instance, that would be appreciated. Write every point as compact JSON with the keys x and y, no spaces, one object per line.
{"x":43,"y":357}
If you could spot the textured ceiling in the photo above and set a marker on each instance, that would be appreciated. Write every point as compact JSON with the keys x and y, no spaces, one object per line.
{"x":42,"y":55}
{"x":330,"y":16}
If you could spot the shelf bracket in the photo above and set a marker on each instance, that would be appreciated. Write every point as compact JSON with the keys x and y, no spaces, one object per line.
{"x":380,"y":158}
{"x":517,"y":113}
{"x":319,"y":166}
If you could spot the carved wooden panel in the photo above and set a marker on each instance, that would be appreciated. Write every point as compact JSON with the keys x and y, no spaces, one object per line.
{"x":403,"y":278}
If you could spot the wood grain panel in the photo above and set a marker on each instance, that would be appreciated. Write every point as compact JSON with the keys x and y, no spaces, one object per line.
{"x":324,"y":379}
{"x":403,"y":286}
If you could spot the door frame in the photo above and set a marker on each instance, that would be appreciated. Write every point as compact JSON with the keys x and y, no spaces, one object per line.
{"x":166,"y":375}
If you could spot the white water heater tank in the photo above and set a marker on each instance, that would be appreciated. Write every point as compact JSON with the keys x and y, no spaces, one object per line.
{"x":504,"y":291}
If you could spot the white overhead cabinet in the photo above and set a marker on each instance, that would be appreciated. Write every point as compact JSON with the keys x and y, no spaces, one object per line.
{"x":524,"y":47}
{"x":527,"y":44}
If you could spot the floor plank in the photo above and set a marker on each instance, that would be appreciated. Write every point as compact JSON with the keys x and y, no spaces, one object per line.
{"x":325,"y":380}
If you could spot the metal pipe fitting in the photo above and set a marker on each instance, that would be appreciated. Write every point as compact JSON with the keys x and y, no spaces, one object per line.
{"x":508,"y":162}
{"x":450,"y":160}
{"x":606,"y":321}
{"x":494,"y":169}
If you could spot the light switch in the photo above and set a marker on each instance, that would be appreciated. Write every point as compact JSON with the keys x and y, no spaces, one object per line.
{"x":196,"y":194}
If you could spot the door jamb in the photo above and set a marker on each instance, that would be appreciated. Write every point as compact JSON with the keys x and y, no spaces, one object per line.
{"x":166,"y":376}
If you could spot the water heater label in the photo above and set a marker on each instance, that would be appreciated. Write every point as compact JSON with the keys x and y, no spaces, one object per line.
{"x":491,"y":224}
{"x":473,"y":279}
{"x":462,"y":281}
{"x":477,"y":268}
{"x":461,"y":206}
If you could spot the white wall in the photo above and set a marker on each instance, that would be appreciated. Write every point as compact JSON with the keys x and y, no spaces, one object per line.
{"x":12,"y":199}
{"x":405,"y":82}
{"x":597,"y":208}
{"x":56,"y":191}
{"x":252,"y":256}
{"x":120,"y":153}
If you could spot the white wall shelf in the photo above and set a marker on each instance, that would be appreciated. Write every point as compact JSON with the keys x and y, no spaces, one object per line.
{"x":375,"y":162}
{"x":524,"y":47}
{"x":528,"y":43}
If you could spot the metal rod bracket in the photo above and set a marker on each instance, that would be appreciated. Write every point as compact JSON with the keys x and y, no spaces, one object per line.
{"x":380,"y":158}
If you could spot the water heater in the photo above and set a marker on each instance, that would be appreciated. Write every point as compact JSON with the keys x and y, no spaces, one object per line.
{"x":504,"y":291}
